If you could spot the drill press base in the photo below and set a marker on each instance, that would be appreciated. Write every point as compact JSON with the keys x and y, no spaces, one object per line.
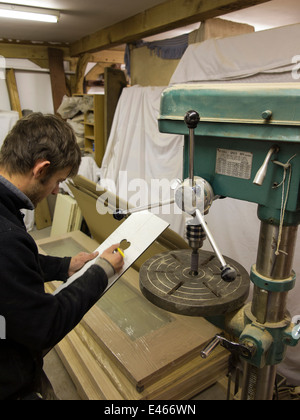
{"x":166,"y":280}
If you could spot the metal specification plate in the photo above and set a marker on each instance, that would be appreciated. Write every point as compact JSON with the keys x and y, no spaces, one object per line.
{"x":234,"y":163}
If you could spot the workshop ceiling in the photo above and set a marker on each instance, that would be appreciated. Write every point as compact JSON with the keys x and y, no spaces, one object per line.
{"x":78,"y":18}
{"x":83,"y":17}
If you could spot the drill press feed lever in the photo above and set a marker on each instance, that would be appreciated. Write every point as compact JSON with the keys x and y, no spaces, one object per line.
{"x":244,"y":350}
{"x":192,"y":119}
{"x":194,"y":200}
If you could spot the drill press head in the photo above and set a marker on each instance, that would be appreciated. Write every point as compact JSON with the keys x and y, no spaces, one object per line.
{"x":244,"y":136}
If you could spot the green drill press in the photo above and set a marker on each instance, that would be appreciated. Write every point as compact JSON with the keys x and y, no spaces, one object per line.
{"x":241,"y":141}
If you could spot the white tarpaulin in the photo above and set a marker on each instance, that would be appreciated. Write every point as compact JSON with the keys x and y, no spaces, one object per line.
{"x":138,"y":152}
{"x":272,"y":55}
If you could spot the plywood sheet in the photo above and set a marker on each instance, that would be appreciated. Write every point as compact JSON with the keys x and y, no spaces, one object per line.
{"x":67,"y":215}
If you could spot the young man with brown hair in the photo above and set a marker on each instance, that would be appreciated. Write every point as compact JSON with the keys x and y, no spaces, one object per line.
{"x":40,"y":152}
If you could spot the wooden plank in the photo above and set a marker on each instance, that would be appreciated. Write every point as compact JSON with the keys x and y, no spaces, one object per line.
{"x":95,"y":72}
{"x":67,"y":215}
{"x":76,"y":371}
{"x":80,"y":73}
{"x":99,"y":379}
{"x":29,"y":51}
{"x":163,"y":17}
{"x":120,"y":381}
{"x":13,"y":91}
{"x":108,"y":57}
{"x":42,"y":215}
{"x":57,"y":75}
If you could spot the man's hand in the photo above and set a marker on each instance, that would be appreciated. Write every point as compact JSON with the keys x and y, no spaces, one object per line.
{"x":114,"y":257}
{"x":80,"y":260}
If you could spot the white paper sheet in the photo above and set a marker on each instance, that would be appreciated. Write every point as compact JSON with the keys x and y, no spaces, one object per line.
{"x":141,"y":230}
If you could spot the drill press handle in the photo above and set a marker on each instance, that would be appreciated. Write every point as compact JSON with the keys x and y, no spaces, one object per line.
{"x":192,"y":119}
{"x":228,"y":273}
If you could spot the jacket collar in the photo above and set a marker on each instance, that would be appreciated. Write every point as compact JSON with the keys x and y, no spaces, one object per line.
{"x":19,"y":199}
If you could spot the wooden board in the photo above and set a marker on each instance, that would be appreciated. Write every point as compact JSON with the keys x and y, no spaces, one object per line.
{"x":42,"y":215}
{"x":69,"y":244}
{"x":13,"y":91}
{"x":146,"y":342}
{"x":98,"y":376}
{"x":57,"y":76}
{"x":67,"y":215}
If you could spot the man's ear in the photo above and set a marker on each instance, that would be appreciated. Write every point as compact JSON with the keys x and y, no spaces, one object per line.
{"x":40,"y":169}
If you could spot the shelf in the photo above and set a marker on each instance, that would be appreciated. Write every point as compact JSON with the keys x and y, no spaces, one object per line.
{"x":94,"y":128}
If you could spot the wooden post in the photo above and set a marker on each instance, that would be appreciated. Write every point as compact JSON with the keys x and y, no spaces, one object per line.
{"x":57,"y":75}
{"x":80,"y":72}
{"x":13,"y":91}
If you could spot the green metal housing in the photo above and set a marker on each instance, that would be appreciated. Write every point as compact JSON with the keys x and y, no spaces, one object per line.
{"x":248,"y":118}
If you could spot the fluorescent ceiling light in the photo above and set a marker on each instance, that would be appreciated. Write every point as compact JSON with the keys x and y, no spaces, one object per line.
{"x":11,"y":11}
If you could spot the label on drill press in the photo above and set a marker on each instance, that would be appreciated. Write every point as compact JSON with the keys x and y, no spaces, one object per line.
{"x":234,"y":163}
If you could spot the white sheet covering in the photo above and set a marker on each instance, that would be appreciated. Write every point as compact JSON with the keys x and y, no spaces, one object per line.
{"x":270,"y":55}
{"x":138,"y":151}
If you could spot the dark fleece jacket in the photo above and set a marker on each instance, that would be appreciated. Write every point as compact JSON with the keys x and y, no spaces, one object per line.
{"x":35,"y":320}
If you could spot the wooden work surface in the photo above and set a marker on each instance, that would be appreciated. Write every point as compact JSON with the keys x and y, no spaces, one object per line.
{"x":141,"y":351}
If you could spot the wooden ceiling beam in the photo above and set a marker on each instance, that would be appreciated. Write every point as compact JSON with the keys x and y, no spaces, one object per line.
{"x":29,"y":51}
{"x":109,"y":56}
{"x":163,"y":17}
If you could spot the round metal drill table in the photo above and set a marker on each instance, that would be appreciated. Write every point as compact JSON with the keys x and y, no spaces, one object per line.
{"x":167,"y":282}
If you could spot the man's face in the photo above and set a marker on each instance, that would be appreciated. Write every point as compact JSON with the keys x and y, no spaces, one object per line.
{"x":41,"y":189}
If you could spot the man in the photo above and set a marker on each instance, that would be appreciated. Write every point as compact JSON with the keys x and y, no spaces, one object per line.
{"x":39,"y":153}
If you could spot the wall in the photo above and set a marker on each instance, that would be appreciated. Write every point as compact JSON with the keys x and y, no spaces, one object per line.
{"x":34,"y":88}
{"x":147,"y":69}
{"x":4,"y":99}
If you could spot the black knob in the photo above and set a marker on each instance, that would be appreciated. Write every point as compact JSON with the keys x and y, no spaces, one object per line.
{"x":228,"y":274}
{"x":192,"y":119}
{"x":119,"y":215}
